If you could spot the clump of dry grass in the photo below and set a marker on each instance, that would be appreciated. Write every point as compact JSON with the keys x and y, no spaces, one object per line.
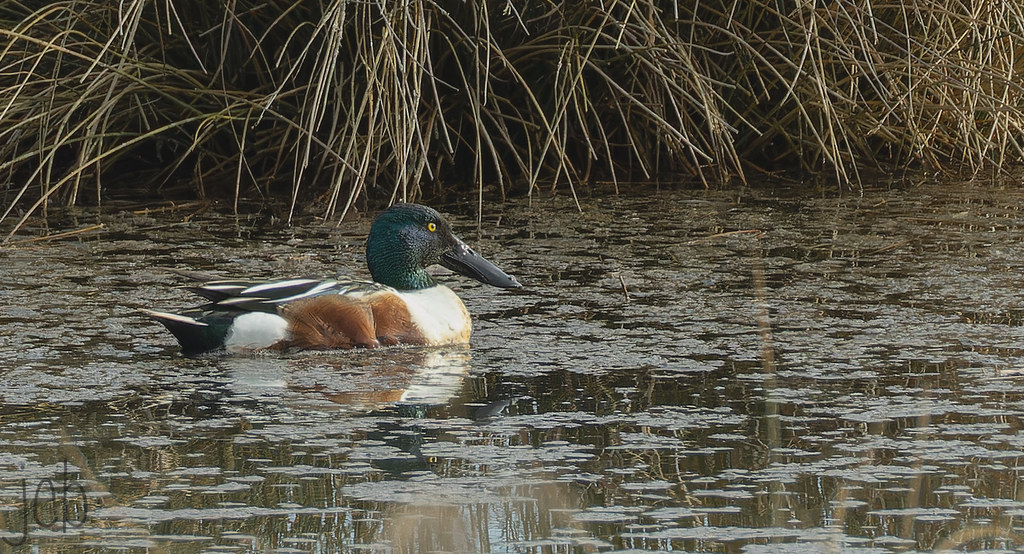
{"x":338,"y":100}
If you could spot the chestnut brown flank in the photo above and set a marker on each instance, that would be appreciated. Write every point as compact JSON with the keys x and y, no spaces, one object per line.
{"x":339,"y":321}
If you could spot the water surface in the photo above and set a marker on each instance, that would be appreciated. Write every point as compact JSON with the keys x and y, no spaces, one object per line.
{"x":739,"y":371}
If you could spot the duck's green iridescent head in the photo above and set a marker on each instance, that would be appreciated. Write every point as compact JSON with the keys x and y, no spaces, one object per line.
{"x":407,"y":238}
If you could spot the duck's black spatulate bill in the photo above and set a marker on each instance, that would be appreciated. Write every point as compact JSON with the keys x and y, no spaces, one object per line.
{"x":460,"y":258}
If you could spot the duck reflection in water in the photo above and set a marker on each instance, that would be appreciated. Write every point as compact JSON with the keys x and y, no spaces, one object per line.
{"x":405,"y":377}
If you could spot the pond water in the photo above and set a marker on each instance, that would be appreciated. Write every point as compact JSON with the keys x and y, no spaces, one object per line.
{"x":740,"y":371}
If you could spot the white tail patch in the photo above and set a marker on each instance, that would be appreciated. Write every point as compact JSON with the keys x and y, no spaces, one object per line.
{"x":256,"y":330}
{"x":174,"y":317}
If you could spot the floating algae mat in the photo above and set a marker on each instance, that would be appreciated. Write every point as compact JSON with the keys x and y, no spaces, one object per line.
{"x":738,"y":371}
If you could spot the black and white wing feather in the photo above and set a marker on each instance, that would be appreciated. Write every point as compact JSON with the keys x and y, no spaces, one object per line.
{"x":267,"y":296}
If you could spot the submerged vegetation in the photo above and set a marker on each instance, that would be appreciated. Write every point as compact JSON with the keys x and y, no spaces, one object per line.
{"x":325,"y":102}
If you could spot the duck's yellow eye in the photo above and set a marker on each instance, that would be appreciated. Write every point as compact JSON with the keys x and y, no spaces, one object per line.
{"x":431,"y":226}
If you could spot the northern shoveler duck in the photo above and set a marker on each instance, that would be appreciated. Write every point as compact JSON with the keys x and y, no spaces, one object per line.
{"x":402,"y":305}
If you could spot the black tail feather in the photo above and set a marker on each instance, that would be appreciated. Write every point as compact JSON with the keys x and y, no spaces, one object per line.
{"x":195,"y":337}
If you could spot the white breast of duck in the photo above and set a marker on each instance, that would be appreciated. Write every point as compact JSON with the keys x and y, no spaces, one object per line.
{"x":439,"y":314}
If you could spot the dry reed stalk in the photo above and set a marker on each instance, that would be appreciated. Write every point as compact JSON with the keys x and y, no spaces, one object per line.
{"x":325,"y":104}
